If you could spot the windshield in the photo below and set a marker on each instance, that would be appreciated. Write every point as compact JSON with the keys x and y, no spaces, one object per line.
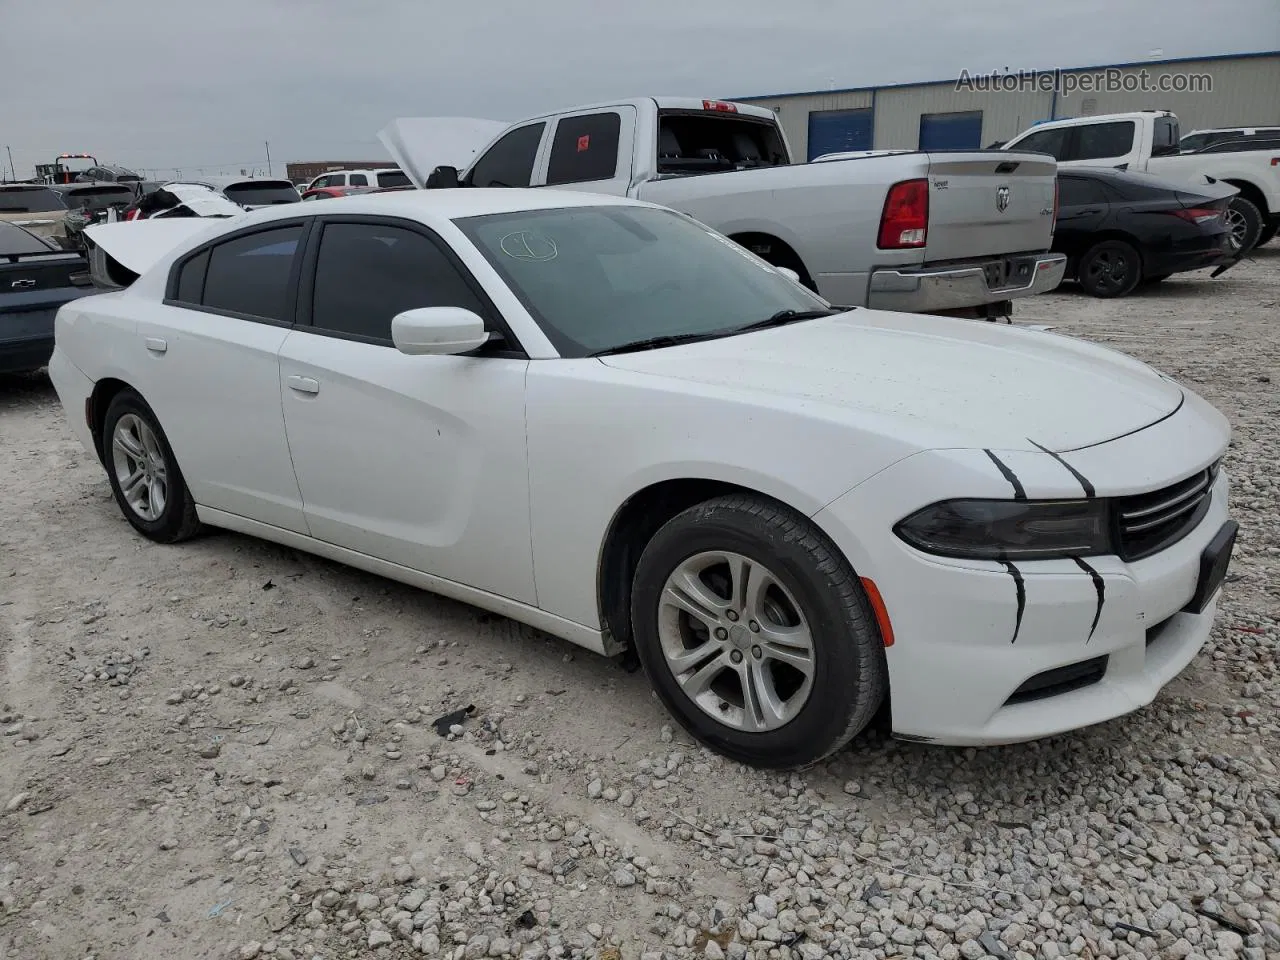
{"x":262,"y":194}
{"x":596,"y":278}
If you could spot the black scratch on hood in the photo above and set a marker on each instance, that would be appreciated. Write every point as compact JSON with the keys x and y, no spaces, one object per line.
{"x":1085,"y":485}
{"x":1100,"y":586}
{"x":1021,"y":587}
{"x":1018,"y":492}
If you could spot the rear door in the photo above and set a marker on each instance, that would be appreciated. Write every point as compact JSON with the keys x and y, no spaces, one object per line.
{"x":994,"y":202}
{"x":209,"y":368}
{"x":1083,"y":205}
{"x":593,"y":151}
{"x":416,"y":460}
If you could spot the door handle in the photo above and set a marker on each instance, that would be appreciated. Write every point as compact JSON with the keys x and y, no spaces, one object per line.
{"x":156,"y":344}
{"x":303,"y":384}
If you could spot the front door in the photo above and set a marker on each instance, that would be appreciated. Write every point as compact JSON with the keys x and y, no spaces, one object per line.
{"x":417,"y":460}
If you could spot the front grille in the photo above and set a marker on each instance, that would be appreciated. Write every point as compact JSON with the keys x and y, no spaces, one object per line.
{"x":1149,"y":522}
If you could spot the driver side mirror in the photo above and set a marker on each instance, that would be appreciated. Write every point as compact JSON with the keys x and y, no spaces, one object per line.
{"x":788,"y":273}
{"x":442,"y":178}
{"x":438,"y":331}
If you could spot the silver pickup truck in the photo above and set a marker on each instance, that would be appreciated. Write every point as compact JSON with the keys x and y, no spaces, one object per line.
{"x":959,"y":232}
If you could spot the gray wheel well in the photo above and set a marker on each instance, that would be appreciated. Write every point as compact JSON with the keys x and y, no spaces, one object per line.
{"x":631,"y":529}
{"x":778,"y":252}
{"x":104,"y":391}
{"x":1252,"y":194}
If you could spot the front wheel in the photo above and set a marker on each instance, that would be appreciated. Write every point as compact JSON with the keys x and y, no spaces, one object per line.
{"x":144,"y":474}
{"x":1111,"y":268}
{"x":756,"y":633}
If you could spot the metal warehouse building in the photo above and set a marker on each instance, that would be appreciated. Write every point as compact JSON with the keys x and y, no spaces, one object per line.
{"x":966,"y":113}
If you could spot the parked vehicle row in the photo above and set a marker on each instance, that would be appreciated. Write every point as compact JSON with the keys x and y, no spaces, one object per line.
{"x":1149,"y":141}
{"x":610,"y":422}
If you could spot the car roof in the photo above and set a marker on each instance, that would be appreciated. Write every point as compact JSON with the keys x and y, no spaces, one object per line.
{"x":443,"y":204}
{"x":222,"y":182}
{"x":88,"y":185}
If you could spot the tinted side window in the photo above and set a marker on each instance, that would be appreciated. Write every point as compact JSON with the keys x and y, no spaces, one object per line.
{"x":1076,"y":191}
{"x":1099,"y":141}
{"x":509,"y":162}
{"x":191,"y":279}
{"x":367,"y":273}
{"x":1165,"y":136}
{"x":250,"y":274}
{"x":1052,"y":142}
{"x":585,"y":148}
{"x":359,"y":180}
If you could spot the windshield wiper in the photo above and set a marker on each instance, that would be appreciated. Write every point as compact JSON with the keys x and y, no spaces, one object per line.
{"x":787,"y":316}
{"x":655,"y":343}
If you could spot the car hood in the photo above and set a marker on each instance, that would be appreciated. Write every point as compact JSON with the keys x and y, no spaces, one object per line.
{"x":420,"y":144}
{"x":982,"y":384}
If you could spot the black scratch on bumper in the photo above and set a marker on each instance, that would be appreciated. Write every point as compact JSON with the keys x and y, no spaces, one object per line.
{"x":1019,"y":493}
{"x":1100,"y":586}
{"x":1021,"y":588}
{"x":1085,"y":485}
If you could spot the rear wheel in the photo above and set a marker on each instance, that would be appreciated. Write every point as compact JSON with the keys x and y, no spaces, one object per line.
{"x":1244,"y":219}
{"x":144,"y":473}
{"x":1268,"y":233}
{"x":756,"y":633}
{"x":1111,"y":268}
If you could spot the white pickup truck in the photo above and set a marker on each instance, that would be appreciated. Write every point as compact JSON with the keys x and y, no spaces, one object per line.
{"x":1149,"y":141}
{"x":958,"y":232}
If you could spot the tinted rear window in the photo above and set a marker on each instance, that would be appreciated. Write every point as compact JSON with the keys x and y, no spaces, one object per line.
{"x":14,"y":240}
{"x":394,"y":178}
{"x":262,"y":194}
{"x":30,"y":200}
{"x":98,"y":198}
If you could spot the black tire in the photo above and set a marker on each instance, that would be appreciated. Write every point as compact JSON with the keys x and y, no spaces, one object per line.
{"x":1268,"y":233}
{"x":176,"y":520}
{"x":1245,"y":220}
{"x":849,"y":676}
{"x":1110,"y":268}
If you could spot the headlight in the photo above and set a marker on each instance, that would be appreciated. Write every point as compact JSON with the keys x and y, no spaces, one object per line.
{"x":1010,"y":529}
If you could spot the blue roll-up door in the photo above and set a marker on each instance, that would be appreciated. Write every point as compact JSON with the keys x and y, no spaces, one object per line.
{"x":836,"y":131}
{"x":951,"y":131}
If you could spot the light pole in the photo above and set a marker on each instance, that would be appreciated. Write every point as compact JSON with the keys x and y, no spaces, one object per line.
{"x":267,"y":144}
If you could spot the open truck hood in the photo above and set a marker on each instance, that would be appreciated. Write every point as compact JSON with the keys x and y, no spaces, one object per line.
{"x":420,"y":144}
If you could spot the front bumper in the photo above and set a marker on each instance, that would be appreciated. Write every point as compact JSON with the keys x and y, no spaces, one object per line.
{"x":931,"y":289}
{"x":962,"y":650}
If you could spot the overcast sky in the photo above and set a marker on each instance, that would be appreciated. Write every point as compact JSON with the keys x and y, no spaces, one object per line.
{"x":190,"y":83}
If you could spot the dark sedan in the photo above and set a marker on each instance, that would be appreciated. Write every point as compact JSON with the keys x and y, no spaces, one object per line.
{"x":36,"y":279}
{"x":1121,"y":229}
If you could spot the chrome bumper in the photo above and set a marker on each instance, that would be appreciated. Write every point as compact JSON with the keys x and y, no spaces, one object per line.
{"x":927,"y":290}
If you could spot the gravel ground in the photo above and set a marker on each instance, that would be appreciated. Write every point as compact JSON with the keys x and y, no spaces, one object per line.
{"x":227,"y":749}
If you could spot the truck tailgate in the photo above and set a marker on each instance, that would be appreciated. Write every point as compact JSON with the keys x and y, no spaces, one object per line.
{"x":985,"y":203}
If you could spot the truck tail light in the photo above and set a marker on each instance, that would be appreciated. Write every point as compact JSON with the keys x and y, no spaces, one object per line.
{"x":1197,"y":214}
{"x":905,"y":220}
{"x":720,"y":106}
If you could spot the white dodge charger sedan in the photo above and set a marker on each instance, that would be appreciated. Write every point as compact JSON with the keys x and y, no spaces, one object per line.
{"x":604,"y":419}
